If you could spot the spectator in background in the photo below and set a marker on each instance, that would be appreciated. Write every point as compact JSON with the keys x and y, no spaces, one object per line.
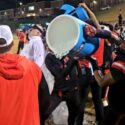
{"x":34,"y":50}
{"x":19,"y":82}
{"x":120,"y":19}
{"x":22,"y":39}
{"x":27,"y":29}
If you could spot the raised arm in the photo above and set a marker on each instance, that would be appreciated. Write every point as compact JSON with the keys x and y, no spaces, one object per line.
{"x":91,"y":15}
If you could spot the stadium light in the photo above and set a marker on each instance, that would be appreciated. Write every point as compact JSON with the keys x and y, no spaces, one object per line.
{"x":94,"y":2}
{"x":22,"y":12}
{"x":5,"y":13}
{"x":40,"y":10}
{"x":20,"y":3}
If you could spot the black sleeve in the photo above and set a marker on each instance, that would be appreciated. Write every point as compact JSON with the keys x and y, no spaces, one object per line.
{"x":69,"y":67}
{"x":44,"y":100}
{"x":103,"y":34}
{"x":107,"y":35}
{"x":53,"y":64}
{"x":117,"y":75}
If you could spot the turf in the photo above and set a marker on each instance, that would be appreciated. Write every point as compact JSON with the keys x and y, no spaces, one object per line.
{"x":111,"y":15}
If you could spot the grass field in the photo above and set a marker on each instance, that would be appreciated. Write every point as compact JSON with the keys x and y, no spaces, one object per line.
{"x":111,"y":15}
{"x":14,"y":48}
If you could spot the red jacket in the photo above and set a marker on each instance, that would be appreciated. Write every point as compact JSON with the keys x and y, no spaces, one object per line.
{"x":99,"y":53}
{"x":22,"y":36}
{"x":19,"y":81}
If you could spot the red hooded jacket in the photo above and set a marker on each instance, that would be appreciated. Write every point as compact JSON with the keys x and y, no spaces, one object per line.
{"x":19,"y":80}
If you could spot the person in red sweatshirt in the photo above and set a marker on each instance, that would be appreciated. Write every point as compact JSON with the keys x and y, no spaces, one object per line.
{"x":22,"y":39}
{"x":19,"y":82}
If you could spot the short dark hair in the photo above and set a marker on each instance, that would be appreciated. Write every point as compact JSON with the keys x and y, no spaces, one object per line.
{"x":5,"y":48}
{"x":2,"y":41}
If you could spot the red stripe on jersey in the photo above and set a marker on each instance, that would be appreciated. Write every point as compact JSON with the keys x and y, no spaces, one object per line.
{"x":84,"y":62}
{"x":120,"y":65}
{"x":99,"y":53}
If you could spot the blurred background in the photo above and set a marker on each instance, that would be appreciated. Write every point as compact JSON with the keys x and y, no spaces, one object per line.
{"x":14,"y":12}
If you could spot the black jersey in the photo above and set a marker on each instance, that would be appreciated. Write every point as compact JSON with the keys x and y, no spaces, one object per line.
{"x":117,"y":91}
{"x":65,"y":78}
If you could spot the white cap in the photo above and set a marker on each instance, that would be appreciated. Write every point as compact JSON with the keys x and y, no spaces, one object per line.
{"x":5,"y":33}
{"x":39,"y":27}
{"x":104,"y":27}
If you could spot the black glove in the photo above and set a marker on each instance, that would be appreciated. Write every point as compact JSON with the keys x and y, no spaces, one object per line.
{"x":94,"y":63}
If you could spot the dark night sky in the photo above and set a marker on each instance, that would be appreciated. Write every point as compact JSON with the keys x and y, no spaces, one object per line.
{"x":6,"y":4}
